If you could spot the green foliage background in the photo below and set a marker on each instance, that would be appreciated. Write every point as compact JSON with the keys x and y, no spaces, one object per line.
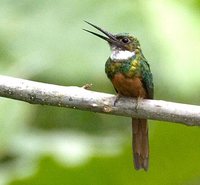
{"x":42,"y":40}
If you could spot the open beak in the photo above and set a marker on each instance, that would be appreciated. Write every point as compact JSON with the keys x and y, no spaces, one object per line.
{"x":111,"y":39}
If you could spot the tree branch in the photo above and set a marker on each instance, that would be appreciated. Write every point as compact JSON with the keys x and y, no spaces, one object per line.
{"x":80,"y":98}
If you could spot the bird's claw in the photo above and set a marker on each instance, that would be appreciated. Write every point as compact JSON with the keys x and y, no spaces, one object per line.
{"x":138,"y":99}
{"x":87,"y":86}
{"x":118,"y":96}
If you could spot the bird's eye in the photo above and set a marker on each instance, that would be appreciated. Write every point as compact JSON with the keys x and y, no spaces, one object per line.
{"x":125,"y":40}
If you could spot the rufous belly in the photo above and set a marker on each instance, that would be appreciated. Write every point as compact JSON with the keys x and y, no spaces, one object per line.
{"x":126,"y":86}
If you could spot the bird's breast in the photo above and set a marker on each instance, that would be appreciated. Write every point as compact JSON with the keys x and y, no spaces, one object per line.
{"x":130,"y":68}
{"x":131,"y":87}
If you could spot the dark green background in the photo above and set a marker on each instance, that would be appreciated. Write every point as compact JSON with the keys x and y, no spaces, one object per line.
{"x":42,"y":40}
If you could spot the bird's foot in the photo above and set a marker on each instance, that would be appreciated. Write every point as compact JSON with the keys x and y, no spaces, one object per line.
{"x":118,"y":96}
{"x":87,"y":86}
{"x":138,"y":99}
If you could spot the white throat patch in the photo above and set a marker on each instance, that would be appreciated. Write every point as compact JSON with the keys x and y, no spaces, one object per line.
{"x":121,"y":54}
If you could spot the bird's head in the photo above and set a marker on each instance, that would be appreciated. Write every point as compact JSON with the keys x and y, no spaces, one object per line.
{"x":120,"y":42}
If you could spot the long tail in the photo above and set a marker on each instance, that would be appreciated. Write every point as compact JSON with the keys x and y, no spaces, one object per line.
{"x":140,"y":143}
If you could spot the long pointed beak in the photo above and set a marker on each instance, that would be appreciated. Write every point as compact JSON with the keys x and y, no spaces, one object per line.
{"x":110,"y":37}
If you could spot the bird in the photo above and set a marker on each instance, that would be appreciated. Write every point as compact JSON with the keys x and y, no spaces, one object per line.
{"x":130,"y":74}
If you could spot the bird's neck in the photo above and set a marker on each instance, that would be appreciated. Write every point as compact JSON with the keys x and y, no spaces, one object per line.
{"x":121,"y":54}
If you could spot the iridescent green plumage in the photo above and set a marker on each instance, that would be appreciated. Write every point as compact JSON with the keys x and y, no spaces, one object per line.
{"x":147,"y":78}
{"x":136,"y":66}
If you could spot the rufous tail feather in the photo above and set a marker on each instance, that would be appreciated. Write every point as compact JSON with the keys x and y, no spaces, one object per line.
{"x":140,"y":143}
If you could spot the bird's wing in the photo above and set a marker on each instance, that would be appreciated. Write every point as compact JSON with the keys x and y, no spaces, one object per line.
{"x":147,"y":78}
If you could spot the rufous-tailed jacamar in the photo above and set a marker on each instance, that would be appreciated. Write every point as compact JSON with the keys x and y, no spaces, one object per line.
{"x":130,"y":74}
